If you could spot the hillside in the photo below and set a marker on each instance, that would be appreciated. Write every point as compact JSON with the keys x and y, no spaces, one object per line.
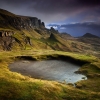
{"x":26,"y":39}
{"x":89,"y":35}
{"x":24,"y":32}
{"x":30,"y":27}
{"x":91,"y":39}
{"x":65,"y":35}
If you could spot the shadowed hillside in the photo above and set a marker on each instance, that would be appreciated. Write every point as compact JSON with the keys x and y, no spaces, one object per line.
{"x":27,"y":38}
{"x":89,"y":35}
{"x":31,"y":33}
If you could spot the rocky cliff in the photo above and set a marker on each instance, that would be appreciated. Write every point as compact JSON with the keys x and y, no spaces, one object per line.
{"x":8,"y":19}
{"x":15,"y":29}
{"x":24,"y":32}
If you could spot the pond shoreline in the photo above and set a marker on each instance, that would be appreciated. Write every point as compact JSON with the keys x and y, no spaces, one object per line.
{"x":56,"y":70}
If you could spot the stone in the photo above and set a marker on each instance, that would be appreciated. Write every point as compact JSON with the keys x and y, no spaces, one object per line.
{"x":43,"y":24}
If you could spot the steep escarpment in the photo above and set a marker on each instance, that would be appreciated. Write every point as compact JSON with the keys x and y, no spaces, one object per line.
{"x":25,"y":32}
{"x":19,"y":30}
{"x":8,"y":19}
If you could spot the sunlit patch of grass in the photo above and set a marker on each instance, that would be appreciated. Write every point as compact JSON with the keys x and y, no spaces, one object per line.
{"x":14,"y":86}
{"x":92,"y":84}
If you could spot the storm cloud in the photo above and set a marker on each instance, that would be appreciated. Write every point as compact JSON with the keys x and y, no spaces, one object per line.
{"x":60,"y":12}
{"x":53,"y":10}
{"x":79,"y":29}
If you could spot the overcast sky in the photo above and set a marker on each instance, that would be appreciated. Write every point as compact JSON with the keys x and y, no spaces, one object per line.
{"x":76,"y":17}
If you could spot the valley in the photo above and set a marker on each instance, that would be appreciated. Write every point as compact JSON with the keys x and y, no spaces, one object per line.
{"x":26,"y":39}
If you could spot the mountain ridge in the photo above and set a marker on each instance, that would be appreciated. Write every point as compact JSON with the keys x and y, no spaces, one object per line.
{"x":31,"y":33}
{"x":89,"y":35}
{"x":18,"y":22}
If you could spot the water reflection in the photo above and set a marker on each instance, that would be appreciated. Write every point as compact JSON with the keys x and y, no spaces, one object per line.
{"x":50,"y":70}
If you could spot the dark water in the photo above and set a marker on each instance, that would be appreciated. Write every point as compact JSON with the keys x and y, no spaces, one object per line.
{"x":56,"y":70}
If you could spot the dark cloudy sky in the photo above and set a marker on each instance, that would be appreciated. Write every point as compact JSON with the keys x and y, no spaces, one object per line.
{"x":76,"y":17}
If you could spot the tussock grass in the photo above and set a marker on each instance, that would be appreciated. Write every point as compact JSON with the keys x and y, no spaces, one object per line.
{"x":14,"y":86}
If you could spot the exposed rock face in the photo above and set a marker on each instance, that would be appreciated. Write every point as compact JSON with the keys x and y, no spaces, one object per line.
{"x":6,"y":43}
{"x":53,"y":30}
{"x":6,"y":40}
{"x":6,"y":33}
{"x":43,"y":24}
{"x":19,"y":22}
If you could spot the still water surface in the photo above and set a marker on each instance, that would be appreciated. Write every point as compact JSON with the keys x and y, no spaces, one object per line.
{"x":56,"y":70}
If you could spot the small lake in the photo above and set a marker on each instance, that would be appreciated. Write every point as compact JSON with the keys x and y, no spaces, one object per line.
{"x":56,"y":70}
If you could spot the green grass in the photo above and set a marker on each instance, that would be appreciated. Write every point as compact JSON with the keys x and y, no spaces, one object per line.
{"x":54,"y":42}
{"x":14,"y":86}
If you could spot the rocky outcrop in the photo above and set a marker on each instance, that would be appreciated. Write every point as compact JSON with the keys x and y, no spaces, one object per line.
{"x":6,"y":33}
{"x":53,"y":30}
{"x":7,"y":40}
{"x":19,"y":22}
{"x":6,"y":43}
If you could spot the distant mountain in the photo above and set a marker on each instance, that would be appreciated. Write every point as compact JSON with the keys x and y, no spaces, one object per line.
{"x":64,"y":33}
{"x":92,"y":40}
{"x":66,"y":36}
{"x":89,"y":35}
{"x":25,"y":32}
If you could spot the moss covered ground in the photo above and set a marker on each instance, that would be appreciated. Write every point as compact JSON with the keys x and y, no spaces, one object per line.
{"x":14,"y":86}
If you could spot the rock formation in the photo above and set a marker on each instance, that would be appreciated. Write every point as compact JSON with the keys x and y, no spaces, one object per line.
{"x":19,"y":22}
{"x":6,"y":33}
{"x":7,"y":40}
{"x":53,"y":30}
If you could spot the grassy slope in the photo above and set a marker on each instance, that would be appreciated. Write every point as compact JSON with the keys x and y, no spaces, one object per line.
{"x":38,"y":41}
{"x":34,"y":36}
{"x":14,"y":86}
{"x":55,"y":43}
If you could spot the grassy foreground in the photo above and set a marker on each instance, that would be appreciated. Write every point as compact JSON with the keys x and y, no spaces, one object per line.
{"x":14,"y":86}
